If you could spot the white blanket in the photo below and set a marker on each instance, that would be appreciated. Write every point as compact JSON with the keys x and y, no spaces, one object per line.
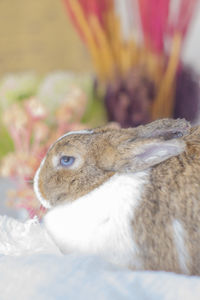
{"x":31,"y":267}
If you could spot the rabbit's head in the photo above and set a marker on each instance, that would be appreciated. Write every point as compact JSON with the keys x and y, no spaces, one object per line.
{"x":81,"y":161}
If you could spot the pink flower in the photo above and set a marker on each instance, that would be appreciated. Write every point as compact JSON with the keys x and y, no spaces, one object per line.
{"x":35,"y":109}
{"x":32,"y":135}
{"x":15,"y":117}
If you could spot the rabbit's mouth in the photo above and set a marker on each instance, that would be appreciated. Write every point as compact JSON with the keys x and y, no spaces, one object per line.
{"x":61,"y":197}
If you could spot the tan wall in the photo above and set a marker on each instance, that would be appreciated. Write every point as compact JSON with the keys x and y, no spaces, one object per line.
{"x":36,"y":35}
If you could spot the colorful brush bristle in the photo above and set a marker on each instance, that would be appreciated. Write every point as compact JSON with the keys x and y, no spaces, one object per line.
{"x":163,"y":25}
{"x":154,"y":18}
{"x":187,"y":94}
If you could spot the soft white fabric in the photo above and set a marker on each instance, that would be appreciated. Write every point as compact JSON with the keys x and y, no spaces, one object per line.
{"x":17,"y":238}
{"x":31,"y":267}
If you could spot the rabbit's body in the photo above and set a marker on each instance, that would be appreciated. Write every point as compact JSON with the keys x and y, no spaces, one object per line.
{"x":169,"y":235}
{"x":136,"y":198}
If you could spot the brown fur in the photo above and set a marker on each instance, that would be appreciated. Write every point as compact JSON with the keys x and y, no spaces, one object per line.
{"x":101,"y":157}
{"x":60,"y":184}
{"x":173,"y":192}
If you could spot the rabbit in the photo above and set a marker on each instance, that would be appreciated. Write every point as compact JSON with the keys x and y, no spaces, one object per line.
{"x":130,"y":195}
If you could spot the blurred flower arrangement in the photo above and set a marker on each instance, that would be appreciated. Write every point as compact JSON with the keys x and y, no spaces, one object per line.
{"x":136,"y":48}
{"x":33,"y":123}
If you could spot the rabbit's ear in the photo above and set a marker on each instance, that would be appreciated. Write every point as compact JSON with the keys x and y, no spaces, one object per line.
{"x":166,"y":129}
{"x":138,"y":156}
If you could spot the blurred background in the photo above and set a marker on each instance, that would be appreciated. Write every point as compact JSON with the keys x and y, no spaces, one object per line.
{"x":38,"y":36}
{"x":74,"y":64}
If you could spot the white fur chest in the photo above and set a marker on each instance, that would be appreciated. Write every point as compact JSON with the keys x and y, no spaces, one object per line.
{"x":100,"y":222}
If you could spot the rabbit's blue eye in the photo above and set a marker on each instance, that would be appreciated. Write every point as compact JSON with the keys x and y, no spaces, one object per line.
{"x":67,"y":161}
